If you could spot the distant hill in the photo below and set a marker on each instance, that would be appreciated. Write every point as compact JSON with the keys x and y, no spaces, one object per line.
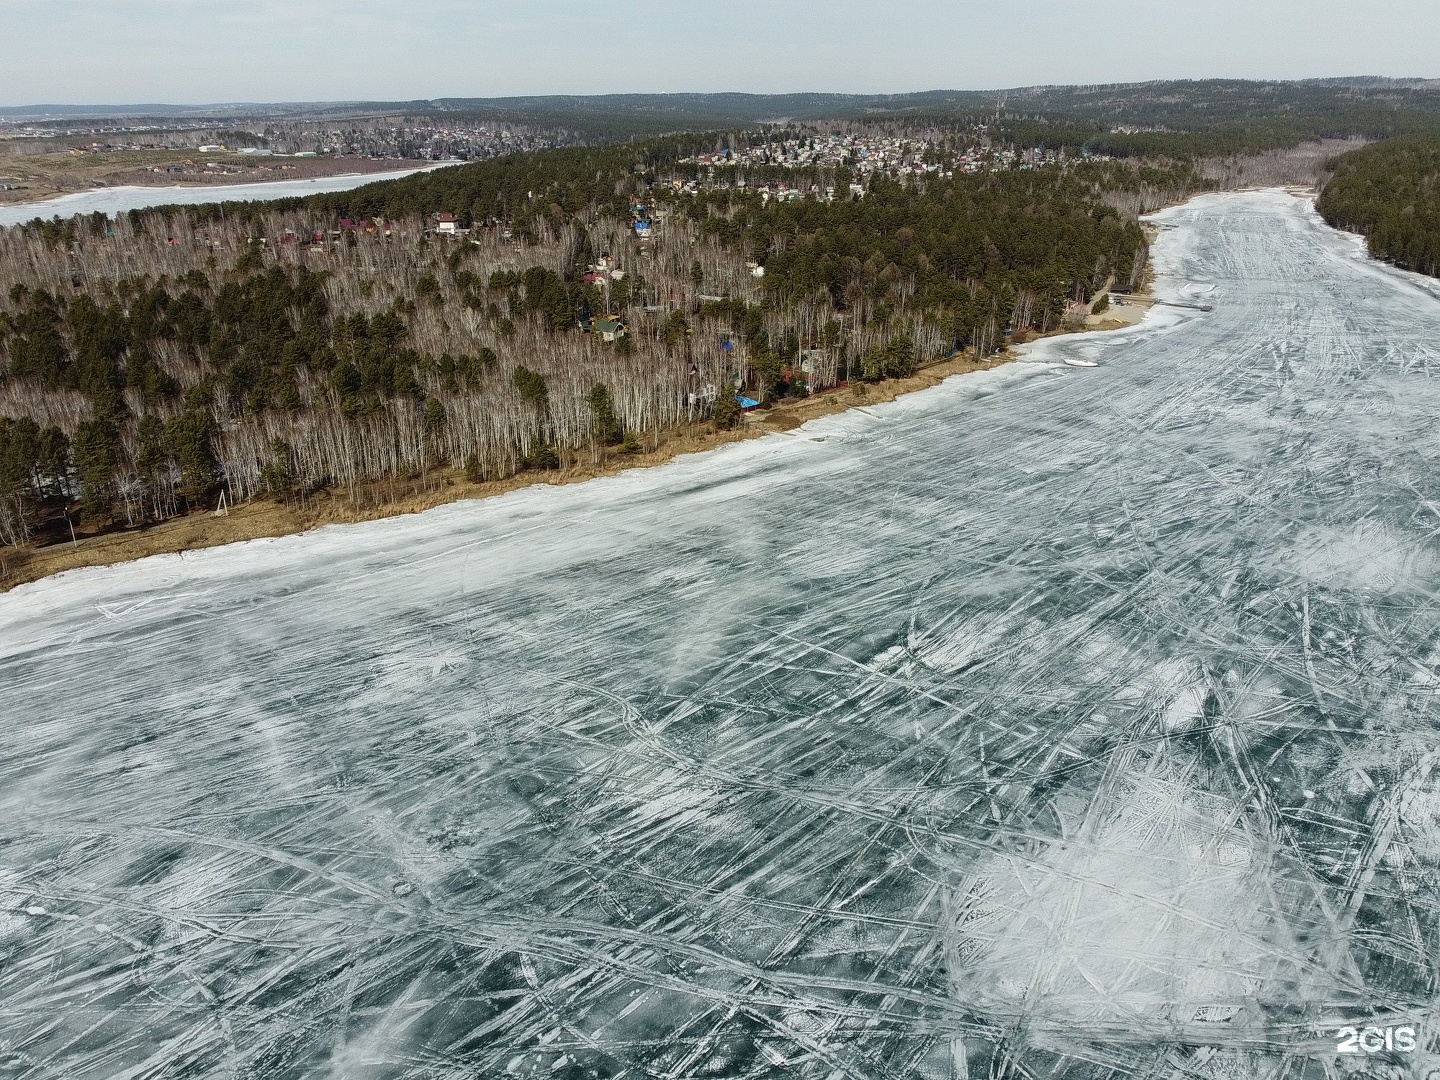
{"x":1177,"y":120}
{"x":1316,"y":106}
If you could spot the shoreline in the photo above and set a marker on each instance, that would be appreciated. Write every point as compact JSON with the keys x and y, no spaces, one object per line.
{"x":52,"y":204}
{"x":261,"y":519}
{"x":264,"y":519}
{"x":174,"y":182}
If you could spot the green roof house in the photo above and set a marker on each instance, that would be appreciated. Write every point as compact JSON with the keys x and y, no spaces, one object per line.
{"x":609,"y":327}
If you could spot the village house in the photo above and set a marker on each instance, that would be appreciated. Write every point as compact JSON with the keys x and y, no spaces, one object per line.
{"x":609,"y":327}
{"x":602,"y":269}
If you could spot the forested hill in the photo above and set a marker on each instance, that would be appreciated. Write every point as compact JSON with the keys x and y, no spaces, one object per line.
{"x":542,"y":308}
{"x":1390,"y":192}
{"x":1177,"y":117}
{"x":606,"y":179}
{"x":149,"y":364}
{"x":1215,"y":117}
{"x":585,"y":179}
{"x":1233,"y":115}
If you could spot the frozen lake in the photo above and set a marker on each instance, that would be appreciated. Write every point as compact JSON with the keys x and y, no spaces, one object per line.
{"x":120,"y":200}
{"x":1055,"y":722}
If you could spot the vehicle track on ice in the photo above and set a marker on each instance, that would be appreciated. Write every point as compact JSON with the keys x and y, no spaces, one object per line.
{"x":1064,"y":722}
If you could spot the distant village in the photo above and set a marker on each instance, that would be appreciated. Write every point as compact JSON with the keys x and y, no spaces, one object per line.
{"x":46,"y":158}
{"x":282,"y":147}
{"x":863,"y":155}
{"x":429,"y":141}
{"x":407,"y":140}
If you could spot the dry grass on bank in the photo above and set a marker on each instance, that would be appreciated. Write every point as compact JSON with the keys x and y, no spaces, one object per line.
{"x":263,"y":518}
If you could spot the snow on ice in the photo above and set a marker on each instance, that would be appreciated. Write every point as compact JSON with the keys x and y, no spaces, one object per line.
{"x":1054,"y":722}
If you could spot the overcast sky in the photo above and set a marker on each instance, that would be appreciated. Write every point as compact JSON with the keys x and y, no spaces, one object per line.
{"x":196,"y":51}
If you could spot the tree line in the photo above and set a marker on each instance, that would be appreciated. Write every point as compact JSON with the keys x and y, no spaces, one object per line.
{"x":151,"y":362}
{"x":1390,"y":192}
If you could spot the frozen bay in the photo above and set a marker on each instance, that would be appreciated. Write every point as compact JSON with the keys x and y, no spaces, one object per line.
{"x":126,"y":197}
{"x":1053,"y":722}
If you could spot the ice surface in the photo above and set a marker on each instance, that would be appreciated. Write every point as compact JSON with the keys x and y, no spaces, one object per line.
{"x":1055,"y":722}
{"x":125,"y":197}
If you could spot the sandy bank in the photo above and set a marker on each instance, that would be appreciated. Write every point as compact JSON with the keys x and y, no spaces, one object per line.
{"x":263,"y":518}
